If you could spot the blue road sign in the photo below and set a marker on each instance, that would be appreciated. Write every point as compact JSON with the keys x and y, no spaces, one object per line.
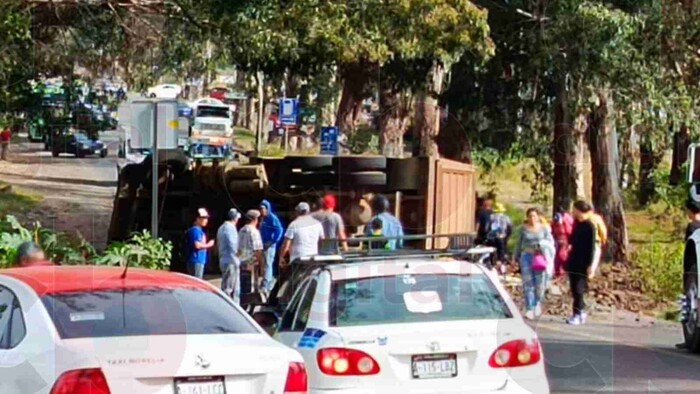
{"x":289,"y":111}
{"x":329,"y":141}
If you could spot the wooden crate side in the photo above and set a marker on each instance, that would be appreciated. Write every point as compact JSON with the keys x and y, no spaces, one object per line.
{"x":454,"y":199}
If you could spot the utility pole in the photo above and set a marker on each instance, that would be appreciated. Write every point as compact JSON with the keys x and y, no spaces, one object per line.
{"x":154,"y":174}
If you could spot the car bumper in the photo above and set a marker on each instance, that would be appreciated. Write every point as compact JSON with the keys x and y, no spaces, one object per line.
{"x":538,"y":386}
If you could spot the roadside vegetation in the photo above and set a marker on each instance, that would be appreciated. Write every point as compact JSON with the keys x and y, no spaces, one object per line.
{"x":15,"y":200}
{"x":141,"y":250}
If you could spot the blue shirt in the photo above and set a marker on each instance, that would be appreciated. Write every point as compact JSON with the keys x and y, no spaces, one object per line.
{"x":194,"y":255}
{"x":227,"y":242}
{"x":391,"y":227}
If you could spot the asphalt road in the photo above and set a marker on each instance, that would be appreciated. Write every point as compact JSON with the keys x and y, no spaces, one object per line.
{"x":617,"y":355}
{"x":77,"y":193}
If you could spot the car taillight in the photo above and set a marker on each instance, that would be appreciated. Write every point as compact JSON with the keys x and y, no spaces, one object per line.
{"x":297,"y":381}
{"x":81,"y":381}
{"x":346,"y":362}
{"x":517,"y":353}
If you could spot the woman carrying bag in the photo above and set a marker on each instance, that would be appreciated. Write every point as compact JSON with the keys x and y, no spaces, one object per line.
{"x":535,"y":253}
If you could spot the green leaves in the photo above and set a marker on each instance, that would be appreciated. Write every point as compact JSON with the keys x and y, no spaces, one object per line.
{"x":141,"y":250}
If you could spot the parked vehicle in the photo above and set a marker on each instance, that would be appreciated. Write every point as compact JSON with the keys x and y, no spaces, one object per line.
{"x":78,"y":144}
{"x":164,"y":91}
{"x":102,"y":330}
{"x":408,"y":322}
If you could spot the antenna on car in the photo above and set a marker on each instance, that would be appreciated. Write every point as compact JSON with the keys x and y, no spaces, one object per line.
{"x":126,"y":268}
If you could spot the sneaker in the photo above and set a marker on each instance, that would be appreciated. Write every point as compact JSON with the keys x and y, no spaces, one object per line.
{"x":530,"y":315}
{"x":538,"y":310}
{"x":575,"y":320}
{"x":584,"y":316}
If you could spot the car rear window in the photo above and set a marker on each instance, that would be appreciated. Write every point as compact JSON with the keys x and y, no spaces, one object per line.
{"x":152,"y":311}
{"x":415,"y":298}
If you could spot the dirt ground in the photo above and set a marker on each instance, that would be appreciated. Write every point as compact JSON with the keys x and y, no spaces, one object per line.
{"x":76,"y":194}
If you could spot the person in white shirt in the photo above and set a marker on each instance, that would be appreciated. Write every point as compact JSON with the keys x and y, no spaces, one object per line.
{"x":303,"y":235}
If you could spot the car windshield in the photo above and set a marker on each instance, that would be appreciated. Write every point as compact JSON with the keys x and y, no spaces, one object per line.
{"x":212,"y":112}
{"x":414,"y":299}
{"x":81,"y":137}
{"x":151,"y":311}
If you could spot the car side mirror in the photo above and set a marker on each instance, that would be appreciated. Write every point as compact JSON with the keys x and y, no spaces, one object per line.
{"x":268,"y":320}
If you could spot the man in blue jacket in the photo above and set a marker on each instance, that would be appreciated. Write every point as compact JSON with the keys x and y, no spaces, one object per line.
{"x":271,"y":231}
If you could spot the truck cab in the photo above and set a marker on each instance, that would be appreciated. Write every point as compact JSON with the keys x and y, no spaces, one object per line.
{"x":212,"y":120}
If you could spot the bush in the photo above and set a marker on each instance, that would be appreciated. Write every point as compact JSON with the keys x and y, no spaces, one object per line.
{"x":363,"y":140}
{"x":141,"y":250}
{"x":57,"y":246}
{"x":658,"y":267}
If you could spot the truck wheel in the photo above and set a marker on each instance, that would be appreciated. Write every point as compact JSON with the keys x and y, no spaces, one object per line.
{"x":346,"y":164}
{"x":368,"y":178}
{"x":691,"y":331}
{"x":308,"y":163}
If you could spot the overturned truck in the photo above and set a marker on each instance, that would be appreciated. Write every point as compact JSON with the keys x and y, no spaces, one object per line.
{"x":428,"y":195}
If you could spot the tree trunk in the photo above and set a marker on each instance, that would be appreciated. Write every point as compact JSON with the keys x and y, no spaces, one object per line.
{"x":649,"y":160}
{"x":260,"y":81}
{"x":681,"y":142}
{"x":428,"y":111}
{"x":580,"y":145}
{"x":355,"y":77}
{"x":564,"y":152}
{"x":393,"y":121}
{"x":607,"y":198}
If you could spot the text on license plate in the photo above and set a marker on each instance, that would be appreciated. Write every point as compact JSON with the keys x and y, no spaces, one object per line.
{"x":434,"y":366}
{"x":200,"y":387}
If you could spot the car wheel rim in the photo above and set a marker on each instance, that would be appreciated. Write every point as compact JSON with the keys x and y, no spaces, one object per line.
{"x":691,"y":308}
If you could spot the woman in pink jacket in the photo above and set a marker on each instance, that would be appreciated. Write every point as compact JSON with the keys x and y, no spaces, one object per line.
{"x":562,"y":227}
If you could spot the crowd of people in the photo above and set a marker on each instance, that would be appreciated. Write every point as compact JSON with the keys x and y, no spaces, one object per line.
{"x":570,"y":245}
{"x":247,"y":255}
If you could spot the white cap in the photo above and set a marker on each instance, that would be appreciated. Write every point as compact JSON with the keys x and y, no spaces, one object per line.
{"x":303,"y":207}
{"x":202,"y":213}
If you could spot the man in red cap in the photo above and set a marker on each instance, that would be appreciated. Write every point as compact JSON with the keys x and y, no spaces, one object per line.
{"x":333,"y":226}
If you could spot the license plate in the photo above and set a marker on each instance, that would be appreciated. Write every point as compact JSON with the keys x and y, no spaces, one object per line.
{"x":97,"y":151}
{"x":434,"y":366}
{"x":200,"y":386}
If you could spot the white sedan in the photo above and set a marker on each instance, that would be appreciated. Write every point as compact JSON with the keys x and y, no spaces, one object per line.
{"x":167,"y":90}
{"x":93,"y":330}
{"x":411,"y":326}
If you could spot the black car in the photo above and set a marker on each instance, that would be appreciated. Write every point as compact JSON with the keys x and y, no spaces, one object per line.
{"x":78,"y":144}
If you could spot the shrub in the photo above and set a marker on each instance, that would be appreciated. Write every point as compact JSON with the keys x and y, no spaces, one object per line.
{"x":658,"y":267}
{"x":141,"y":250}
{"x":61,"y":247}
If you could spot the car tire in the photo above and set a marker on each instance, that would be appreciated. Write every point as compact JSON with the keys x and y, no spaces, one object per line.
{"x":152,"y":95}
{"x":308,"y":163}
{"x":691,"y":331}
{"x":366,"y":178}
{"x":348,"y":164}
{"x":55,"y":153}
{"x":104,"y":153}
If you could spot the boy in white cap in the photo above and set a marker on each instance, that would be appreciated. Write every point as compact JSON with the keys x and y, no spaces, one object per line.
{"x":303,"y":235}
{"x":197,"y":244}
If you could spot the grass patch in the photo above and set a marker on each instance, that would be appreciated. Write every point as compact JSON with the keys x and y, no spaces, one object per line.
{"x":17,"y":201}
{"x":244,"y":138}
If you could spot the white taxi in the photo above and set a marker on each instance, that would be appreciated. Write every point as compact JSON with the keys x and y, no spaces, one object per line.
{"x":411,"y":325}
{"x":99,"y":330}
